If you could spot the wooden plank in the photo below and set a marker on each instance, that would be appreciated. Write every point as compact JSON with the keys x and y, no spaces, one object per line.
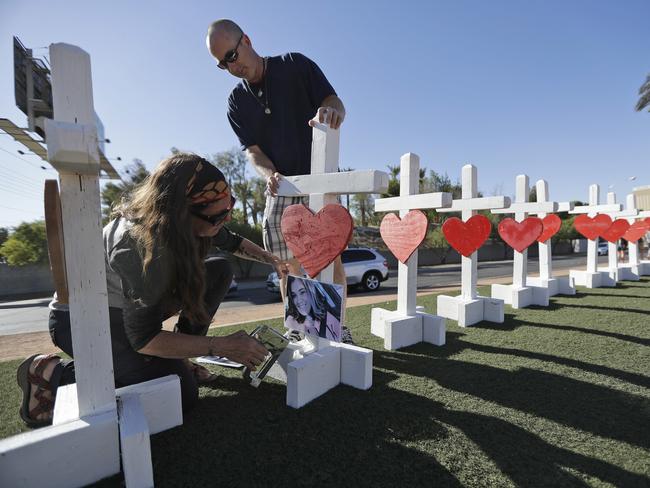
{"x":54,"y":232}
{"x":134,"y":443}
{"x":414,"y":202}
{"x":343,"y":183}
{"x":483,"y":203}
{"x":75,"y":453}
{"x":528,"y":207}
{"x":407,"y":274}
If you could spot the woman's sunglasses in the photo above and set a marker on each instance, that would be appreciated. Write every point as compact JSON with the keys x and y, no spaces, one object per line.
{"x":216,"y":218}
{"x":230,"y":56}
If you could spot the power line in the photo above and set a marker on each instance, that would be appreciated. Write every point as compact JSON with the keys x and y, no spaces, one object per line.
{"x":17,"y":209}
{"x":28,"y":195}
{"x":24,"y":180}
{"x":22,"y":159}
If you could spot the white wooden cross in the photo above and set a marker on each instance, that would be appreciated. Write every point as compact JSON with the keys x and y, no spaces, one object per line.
{"x":592,"y":278}
{"x":313,"y":366}
{"x":560,"y":285}
{"x":470,"y":308}
{"x":519,"y":294}
{"x":407,"y":325}
{"x":613,"y":268}
{"x":89,"y":426}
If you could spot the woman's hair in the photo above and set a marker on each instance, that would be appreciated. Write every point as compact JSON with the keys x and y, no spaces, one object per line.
{"x":160,"y":215}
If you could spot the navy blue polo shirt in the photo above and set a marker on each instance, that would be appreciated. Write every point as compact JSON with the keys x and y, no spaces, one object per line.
{"x":294,"y":88}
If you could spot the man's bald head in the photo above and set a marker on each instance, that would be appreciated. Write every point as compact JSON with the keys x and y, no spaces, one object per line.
{"x":222,"y":28}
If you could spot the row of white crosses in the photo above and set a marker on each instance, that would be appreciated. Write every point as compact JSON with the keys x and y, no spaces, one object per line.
{"x":315,"y":365}
{"x":592,"y":277}
{"x":635,"y":268}
{"x":94,"y":425}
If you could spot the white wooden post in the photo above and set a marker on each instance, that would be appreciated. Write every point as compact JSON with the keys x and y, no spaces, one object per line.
{"x":408,"y":325}
{"x":592,"y":278}
{"x":313,"y":366}
{"x":562,"y":285}
{"x":82,"y":445}
{"x":616,"y":270}
{"x":470,"y":308}
{"x":520,"y":294}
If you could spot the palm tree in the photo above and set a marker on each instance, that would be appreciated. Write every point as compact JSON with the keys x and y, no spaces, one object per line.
{"x":644,"y":100}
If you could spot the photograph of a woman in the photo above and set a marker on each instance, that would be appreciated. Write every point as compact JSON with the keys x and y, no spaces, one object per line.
{"x":314,"y":308}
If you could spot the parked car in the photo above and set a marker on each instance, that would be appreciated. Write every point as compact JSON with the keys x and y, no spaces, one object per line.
{"x":603,"y":248}
{"x":363,"y":266}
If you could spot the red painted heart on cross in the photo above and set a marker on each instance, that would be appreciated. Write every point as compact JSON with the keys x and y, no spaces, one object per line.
{"x":467,"y":237}
{"x":520,"y":235}
{"x":316,"y":239}
{"x":552,"y":224}
{"x":592,"y":228}
{"x":403,"y":236}
{"x":615,"y":231}
{"x":637,"y":230}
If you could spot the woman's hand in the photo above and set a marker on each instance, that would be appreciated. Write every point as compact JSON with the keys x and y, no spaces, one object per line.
{"x":241,"y":348}
{"x":281,"y":267}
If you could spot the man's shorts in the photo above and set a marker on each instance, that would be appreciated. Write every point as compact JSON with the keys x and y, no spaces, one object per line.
{"x":271,"y":232}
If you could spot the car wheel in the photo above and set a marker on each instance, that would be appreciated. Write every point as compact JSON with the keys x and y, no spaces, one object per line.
{"x":371,"y":281}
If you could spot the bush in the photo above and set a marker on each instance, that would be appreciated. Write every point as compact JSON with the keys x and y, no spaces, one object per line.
{"x":27,"y":244}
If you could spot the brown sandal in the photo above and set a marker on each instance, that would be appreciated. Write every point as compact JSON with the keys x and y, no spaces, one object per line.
{"x":25,"y":380}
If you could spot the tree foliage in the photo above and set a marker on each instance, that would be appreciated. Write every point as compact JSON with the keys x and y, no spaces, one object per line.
{"x":27,"y":244}
{"x":644,"y":96}
{"x":113,"y":193}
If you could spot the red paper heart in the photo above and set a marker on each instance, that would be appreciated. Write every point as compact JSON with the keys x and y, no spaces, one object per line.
{"x":404,"y":236}
{"x":637,"y":230}
{"x":615,"y":231}
{"x":592,"y":228}
{"x":316,"y":239}
{"x":520,"y":235}
{"x":552,"y":224}
{"x":467,"y":237}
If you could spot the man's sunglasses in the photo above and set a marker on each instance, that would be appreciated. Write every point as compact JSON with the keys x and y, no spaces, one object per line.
{"x":216,"y":218}
{"x":230,"y":56}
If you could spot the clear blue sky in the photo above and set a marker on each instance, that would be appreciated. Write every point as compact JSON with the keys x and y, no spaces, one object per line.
{"x":545,"y":88}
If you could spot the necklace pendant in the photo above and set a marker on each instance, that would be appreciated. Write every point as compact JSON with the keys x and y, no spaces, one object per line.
{"x":260,"y":93}
{"x":267,"y":111}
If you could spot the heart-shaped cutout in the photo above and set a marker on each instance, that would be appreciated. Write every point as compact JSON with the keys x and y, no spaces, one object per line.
{"x":592,"y":228}
{"x":316,"y":239}
{"x":403,"y":236}
{"x":637,"y":230}
{"x":467,"y":237}
{"x":552,"y":224}
{"x":520,"y":235}
{"x":615,"y":231}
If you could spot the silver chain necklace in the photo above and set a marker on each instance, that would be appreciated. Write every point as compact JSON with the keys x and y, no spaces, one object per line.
{"x":260,"y":91}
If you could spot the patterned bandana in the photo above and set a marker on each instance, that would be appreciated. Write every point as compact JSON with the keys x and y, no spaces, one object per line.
{"x":206,"y":185}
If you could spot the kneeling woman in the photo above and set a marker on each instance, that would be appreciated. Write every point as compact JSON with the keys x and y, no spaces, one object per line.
{"x":156,"y":265}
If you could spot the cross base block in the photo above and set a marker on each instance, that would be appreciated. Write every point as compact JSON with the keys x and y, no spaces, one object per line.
{"x":629,"y":272}
{"x":400,"y":330}
{"x":313,"y":366}
{"x":644,"y":268}
{"x":590,"y":279}
{"x":470,"y":311}
{"x":521,"y":296}
{"x":556,"y":286}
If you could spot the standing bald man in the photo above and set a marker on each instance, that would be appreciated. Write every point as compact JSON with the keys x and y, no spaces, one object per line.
{"x":272,"y":110}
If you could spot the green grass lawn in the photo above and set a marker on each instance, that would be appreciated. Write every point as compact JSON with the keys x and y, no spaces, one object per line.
{"x":555,"y":396}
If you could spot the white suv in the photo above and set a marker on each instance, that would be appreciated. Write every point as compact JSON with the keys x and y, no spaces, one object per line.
{"x":363,"y":266}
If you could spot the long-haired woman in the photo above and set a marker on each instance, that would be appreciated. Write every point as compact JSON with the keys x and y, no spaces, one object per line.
{"x":156,"y":264}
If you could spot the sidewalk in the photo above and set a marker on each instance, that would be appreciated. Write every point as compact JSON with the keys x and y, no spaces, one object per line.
{"x":19,"y":346}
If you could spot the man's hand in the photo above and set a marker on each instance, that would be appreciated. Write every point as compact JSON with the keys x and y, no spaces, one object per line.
{"x":272,"y":184}
{"x":242,"y":348}
{"x":328,"y":115}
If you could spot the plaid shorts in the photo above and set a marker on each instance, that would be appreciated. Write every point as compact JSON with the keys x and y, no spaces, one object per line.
{"x":271,"y":232}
